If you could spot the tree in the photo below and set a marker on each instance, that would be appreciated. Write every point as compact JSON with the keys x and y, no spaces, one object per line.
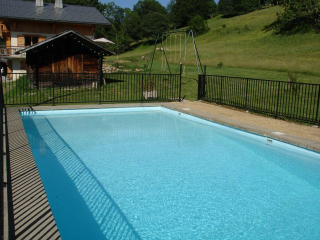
{"x":246,"y":6}
{"x":170,"y":12}
{"x":184,"y":10}
{"x":299,"y":15}
{"x":154,"y":23}
{"x":145,"y":7}
{"x":225,"y":7}
{"x":213,"y":9}
{"x":125,"y":27}
{"x":153,"y":17}
{"x":198,"y":25}
{"x":170,"y":6}
{"x":237,"y":7}
{"x":132,"y":24}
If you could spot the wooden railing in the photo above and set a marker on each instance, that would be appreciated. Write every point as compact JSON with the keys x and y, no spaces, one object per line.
{"x":7,"y":51}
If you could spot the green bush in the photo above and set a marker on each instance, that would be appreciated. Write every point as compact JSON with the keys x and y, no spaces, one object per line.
{"x":220,"y":65}
{"x":292,"y":80}
{"x":198,"y":25}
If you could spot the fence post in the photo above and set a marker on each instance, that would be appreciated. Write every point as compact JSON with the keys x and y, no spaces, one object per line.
{"x":247,"y":84}
{"x":202,"y":84}
{"x":53,"y":102}
{"x":1,"y":159}
{"x":317,"y":109}
{"x":205,"y":81}
{"x":278,"y":99}
{"x":36,"y":77}
{"x":100,"y":87}
{"x":221,"y":90}
{"x":180,"y":82}
{"x":142,"y":88}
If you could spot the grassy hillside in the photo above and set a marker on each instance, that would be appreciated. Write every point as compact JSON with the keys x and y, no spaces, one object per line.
{"x":247,"y":48}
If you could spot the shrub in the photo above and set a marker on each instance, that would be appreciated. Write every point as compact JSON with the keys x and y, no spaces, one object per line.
{"x":220,"y":65}
{"x":292,"y":80}
{"x":198,"y":25}
{"x":246,"y":28}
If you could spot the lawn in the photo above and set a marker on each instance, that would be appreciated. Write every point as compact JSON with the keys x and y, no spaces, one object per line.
{"x":244,"y":46}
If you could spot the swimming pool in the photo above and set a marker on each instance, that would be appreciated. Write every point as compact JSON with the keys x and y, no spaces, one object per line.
{"x":153,"y":173}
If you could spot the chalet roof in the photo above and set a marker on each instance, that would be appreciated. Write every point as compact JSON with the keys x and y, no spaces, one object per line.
{"x":79,"y":39}
{"x":27,"y":10}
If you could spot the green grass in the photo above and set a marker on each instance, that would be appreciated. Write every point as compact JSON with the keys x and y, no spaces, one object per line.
{"x":118,"y":88}
{"x":246,"y":46}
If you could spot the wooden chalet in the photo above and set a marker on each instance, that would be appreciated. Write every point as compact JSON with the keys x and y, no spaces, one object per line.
{"x":68,"y":52}
{"x":26,"y":23}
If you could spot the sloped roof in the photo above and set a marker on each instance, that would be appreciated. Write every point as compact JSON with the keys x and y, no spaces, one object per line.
{"x":82,"y":40}
{"x":27,"y":10}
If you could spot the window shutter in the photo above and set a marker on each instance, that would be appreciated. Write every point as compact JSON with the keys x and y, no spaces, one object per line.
{"x":21,"y":42}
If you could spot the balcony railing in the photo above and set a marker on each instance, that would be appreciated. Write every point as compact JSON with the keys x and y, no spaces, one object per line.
{"x":8,"y":51}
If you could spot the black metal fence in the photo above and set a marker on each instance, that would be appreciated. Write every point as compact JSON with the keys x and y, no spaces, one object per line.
{"x":296,"y":101}
{"x":56,"y":88}
{"x":1,"y":162}
{"x":2,"y":157}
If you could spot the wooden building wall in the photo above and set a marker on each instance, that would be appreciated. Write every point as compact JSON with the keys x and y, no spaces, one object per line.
{"x":79,"y":63}
{"x":65,"y":57}
{"x":38,"y":27}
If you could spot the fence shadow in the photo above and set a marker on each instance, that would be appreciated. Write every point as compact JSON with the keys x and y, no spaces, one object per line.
{"x":29,"y":214}
{"x":96,"y":214}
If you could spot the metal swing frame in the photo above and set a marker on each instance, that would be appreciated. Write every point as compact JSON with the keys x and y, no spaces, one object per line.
{"x":196,"y":53}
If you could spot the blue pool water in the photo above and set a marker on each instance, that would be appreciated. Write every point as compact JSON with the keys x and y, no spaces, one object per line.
{"x":153,"y":173}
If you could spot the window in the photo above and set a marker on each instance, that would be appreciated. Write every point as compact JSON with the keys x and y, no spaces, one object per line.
{"x":30,"y":40}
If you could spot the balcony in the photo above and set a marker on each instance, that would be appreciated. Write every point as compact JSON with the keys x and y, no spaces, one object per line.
{"x":10,"y":52}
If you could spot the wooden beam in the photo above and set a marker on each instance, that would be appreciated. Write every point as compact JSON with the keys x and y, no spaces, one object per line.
{"x":92,"y":29}
{"x":101,"y":70}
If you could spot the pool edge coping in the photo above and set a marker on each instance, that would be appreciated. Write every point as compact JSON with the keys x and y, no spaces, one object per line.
{"x":269,"y":133}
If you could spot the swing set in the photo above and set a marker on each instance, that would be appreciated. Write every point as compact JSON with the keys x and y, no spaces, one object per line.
{"x":166,"y":41}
